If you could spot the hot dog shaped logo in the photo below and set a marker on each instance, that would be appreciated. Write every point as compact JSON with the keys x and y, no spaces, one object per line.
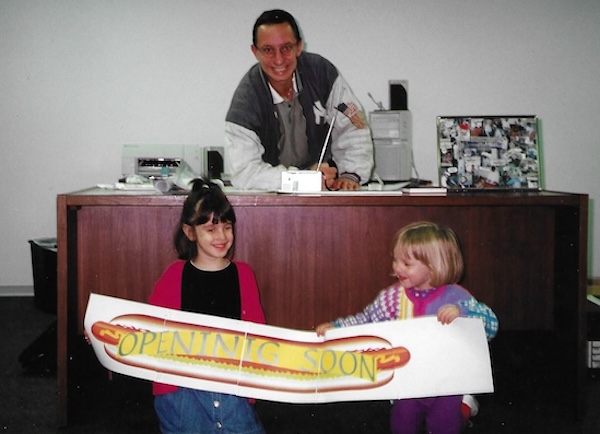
{"x":217,"y":354}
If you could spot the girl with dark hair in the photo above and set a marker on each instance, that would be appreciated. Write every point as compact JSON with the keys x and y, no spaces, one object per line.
{"x":206,"y":280}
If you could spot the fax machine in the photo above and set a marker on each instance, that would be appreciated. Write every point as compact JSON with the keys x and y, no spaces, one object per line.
{"x":162,"y":160}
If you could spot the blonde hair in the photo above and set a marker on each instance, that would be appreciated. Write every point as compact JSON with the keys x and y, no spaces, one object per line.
{"x":435,"y":246}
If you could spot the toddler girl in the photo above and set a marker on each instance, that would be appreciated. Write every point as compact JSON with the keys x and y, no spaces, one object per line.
{"x":428,"y":263}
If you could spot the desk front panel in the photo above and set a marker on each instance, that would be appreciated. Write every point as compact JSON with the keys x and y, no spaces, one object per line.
{"x":315,"y":263}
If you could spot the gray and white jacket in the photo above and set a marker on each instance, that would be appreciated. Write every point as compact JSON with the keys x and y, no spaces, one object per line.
{"x":252,"y":127}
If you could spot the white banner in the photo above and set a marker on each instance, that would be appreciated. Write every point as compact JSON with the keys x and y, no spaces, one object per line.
{"x":387,"y":360}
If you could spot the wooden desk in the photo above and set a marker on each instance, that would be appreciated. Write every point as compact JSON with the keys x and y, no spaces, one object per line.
{"x":317,"y":258}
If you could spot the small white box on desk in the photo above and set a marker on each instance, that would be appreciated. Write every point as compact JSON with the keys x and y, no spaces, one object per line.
{"x":301,"y":181}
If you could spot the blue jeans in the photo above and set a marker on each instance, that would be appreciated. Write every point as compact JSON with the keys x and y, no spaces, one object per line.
{"x":193,"y":411}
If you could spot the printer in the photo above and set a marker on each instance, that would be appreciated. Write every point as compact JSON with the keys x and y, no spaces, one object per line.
{"x":162,"y":160}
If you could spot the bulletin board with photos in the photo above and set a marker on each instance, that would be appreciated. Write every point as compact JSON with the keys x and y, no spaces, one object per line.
{"x":489,"y":152}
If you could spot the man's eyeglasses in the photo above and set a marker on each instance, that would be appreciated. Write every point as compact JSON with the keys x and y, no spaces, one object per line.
{"x":285,"y":50}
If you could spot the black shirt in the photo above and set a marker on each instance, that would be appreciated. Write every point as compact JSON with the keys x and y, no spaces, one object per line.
{"x":211,"y":292}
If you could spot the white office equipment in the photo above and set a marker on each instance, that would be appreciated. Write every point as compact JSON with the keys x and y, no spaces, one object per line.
{"x":162,"y":160}
{"x":306,"y":181}
{"x":301,"y":181}
{"x":392,"y":140}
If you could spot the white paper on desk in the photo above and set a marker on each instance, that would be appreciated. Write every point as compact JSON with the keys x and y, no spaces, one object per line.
{"x":355,"y":193}
{"x":184,"y":175}
{"x":421,"y":357}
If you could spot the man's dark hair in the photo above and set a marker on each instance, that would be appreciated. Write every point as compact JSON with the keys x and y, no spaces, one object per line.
{"x":276,"y":16}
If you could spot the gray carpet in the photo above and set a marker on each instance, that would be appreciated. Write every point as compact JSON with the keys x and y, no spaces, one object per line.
{"x":28,"y":402}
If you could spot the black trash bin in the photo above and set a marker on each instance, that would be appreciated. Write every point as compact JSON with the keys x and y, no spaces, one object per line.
{"x":43,"y":260}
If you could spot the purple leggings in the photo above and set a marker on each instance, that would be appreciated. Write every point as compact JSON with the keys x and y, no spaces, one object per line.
{"x":439,"y":415}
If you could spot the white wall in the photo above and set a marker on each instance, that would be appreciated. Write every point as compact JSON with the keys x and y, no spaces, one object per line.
{"x":78,"y":78}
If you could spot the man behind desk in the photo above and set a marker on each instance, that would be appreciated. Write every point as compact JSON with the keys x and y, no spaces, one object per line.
{"x":281,"y":112}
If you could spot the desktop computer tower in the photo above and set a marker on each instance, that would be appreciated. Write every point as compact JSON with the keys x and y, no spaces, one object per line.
{"x":392,"y":140}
